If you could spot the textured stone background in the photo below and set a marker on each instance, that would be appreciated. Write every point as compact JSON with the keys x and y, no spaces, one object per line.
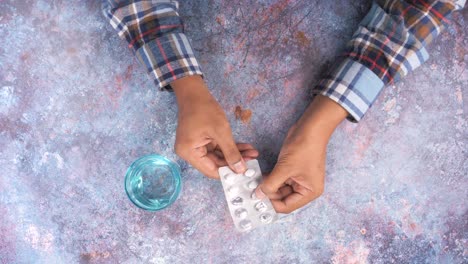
{"x":76,"y":109}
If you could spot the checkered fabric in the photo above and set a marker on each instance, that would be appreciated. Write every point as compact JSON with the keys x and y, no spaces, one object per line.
{"x":389,"y":43}
{"x":155,"y":32}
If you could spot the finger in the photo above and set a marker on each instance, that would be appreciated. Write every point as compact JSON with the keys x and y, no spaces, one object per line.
{"x":248,"y":158}
{"x":274,"y":181}
{"x":204,"y":142}
{"x":244,"y":146}
{"x":246,"y":150}
{"x":232,"y":154}
{"x":282,"y":193}
{"x":220,"y":162}
{"x":199,"y":160}
{"x":299,"y":197}
{"x":208,"y":167}
{"x":289,"y":204}
{"x":251,"y":153}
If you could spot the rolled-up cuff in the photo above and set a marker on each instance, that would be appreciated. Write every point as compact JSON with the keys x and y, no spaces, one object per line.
{"x":353,"y":86}
{"x":168,"y":58}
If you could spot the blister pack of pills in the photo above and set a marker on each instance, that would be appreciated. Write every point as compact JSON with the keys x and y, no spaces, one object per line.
{"x":246,"y":210}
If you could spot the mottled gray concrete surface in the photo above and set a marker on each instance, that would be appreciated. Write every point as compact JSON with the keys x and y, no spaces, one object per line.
{"x":76,"y":109}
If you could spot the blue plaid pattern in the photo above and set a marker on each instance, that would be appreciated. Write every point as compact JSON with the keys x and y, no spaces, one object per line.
{"x":390,"y":42}
{"x":353,"y":86}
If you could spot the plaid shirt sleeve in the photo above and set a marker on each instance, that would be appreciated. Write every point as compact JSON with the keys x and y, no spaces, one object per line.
{"x":155,"y":33}
{"x":390,"y":42}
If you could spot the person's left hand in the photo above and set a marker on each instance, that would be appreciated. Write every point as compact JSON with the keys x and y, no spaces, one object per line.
{"x":298,"y":176}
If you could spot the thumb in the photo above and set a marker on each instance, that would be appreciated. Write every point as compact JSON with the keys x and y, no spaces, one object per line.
{"x":232,"y":155}
{"x":273,"y":181}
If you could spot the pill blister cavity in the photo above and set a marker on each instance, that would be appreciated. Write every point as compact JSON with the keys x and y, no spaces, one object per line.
{"x":233,"y":190}
{"x":237,"y":201}
{"x":241,"y":213}
{"x":261,"y":207}
{"x":266,"y":218}
{"x":245,"y":225}
{"x":249,"y":173}
{"x":230,"y":178}
{"x":253,"y":196}
{"x":252,"y":185}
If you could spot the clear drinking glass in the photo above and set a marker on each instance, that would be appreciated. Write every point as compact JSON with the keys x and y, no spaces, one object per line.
{"x":153,"y":182}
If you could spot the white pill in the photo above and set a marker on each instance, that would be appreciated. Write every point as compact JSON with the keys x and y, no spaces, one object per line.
{"x":261,"y":207}
{"x":241,"y":213}
{"x":233,"y":190}
{"x":252,"y":185}
{"x":249,"y":173}
{"x":245,"y":224}
{"x":230,"y":178}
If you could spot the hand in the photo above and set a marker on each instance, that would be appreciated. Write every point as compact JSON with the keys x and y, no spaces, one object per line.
{"x":204,"y":137}
{"x":298,"y":176}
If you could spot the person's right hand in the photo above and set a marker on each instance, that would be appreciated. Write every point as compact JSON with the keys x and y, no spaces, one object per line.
{"x":204,"y":137}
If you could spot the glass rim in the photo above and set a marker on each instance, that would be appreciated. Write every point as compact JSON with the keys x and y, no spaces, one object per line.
{"x":167,"y":162}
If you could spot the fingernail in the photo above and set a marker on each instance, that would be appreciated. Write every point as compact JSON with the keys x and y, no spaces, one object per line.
{"x":239,"y":167}
{"x":259,"y":193}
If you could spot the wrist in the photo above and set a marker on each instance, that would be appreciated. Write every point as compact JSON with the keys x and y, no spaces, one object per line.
{"x":190,"y":89}
{"x":322,"y":117}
